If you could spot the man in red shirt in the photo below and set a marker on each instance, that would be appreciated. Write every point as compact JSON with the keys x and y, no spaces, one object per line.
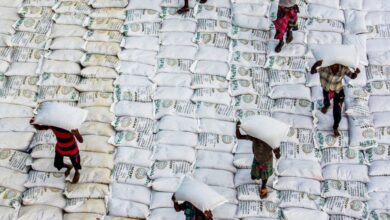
{"x":186,"y":8}
{"x":286,"y":21}
{"x":66,"y":147}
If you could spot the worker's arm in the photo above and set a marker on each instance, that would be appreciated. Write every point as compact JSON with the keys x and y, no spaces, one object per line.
{"x":277,"y":152}
{"x":78,"y":136}
{"x":239,"y":135}
{"x":315,"y":66}
{"x":176,"y":205}
{"x":352,"y":75}
{"x":38,"y":127}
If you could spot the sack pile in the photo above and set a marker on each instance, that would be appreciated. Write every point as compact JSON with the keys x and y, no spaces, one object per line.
{"x":249,"y":86}
{"x":195,"y":128}
{"x":100,"y":46}
{"x":344,"y":164}
{"x":133,"y":109}
{"x":214,"y":95}
{"x":298,"y":172}
{"x":23,"y":44}
{"x":377,"y":81}
{"x":44,"y":197}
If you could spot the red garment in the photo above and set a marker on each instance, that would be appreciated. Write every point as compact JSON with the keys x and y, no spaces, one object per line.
{"x":66,"y":142}
{"x":331,"y":94}
{"x":286,"y":16}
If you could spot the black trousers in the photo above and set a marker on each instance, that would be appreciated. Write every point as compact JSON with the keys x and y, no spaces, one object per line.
{"x":59,"y":161}
{"x":338,"y":101}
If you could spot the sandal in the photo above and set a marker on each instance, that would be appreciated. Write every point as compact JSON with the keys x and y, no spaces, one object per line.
{"x":263,"y":193}
{"x":183,"y":10}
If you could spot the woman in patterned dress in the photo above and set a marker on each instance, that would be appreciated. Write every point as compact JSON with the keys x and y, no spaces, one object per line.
{"x":262,"y":166}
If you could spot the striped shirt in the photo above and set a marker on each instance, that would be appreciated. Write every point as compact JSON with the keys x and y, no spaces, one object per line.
{"x":66,"y":142}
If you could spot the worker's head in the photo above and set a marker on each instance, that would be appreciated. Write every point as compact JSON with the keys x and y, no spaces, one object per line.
{"x":335,"y":67}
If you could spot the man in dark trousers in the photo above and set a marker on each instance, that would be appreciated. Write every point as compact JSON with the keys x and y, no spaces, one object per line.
{"x":66,"y":147}
{"x":332,"y":84}
{"x":286,"y":21}
{"x":262,"y":166}
{"x":190,"y":211}
{"x":186,"y":8}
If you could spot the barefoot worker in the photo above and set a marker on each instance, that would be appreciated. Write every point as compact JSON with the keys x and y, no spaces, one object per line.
{"x":66,"y":147}
{"x":262,"y":166}
{"x":331,"y":78}
{"x":286,"y":21}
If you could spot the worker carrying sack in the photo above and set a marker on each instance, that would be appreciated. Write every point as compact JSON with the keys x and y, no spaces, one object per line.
{"x":60,"y":115}
{"x":265,"y":128}
{"x":199,"y":194}
{"x":336,"y":54}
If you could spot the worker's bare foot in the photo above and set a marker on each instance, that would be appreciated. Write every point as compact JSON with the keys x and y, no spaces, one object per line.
{"x":76,"y":177}
{"x":278,"y":48}
{"x":263,"y":192}
{"x":324,"y":109}
{"x":68,"y":169}
{"x":202,"y":1}
{"x":183,"y":10}
{"x":336,"y":132}
{"x":289,"y":37}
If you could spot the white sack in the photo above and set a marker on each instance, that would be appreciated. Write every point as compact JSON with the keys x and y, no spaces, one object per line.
{"x":124,"y":208}
{"x":215,"y":177}
{"x":129,"y":192}
{"x":296,"y":168}
{"x":271,"y":131}
{"x":300,"y":213}
{"x":39,"y":212}
{"x":199,"y":194}
{"x":298,"y":184}
{"x":336,"y":54}
{"x":60,"y":115}
{"x":346,"y":172}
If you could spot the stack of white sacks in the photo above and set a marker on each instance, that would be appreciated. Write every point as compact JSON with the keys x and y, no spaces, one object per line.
{"x":100,"y":46}
{"x":345,"y":168}
{"x":213,"y":97}
{"x":298,"y":172}
{"x":133,"y":109}
{"x":378,"y":86}
{"x":249,"y":87}
{"x":58,"y":75}
{"x":177,"y":129}
{"x":17,"y":99}
{"x":43,"y":199}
